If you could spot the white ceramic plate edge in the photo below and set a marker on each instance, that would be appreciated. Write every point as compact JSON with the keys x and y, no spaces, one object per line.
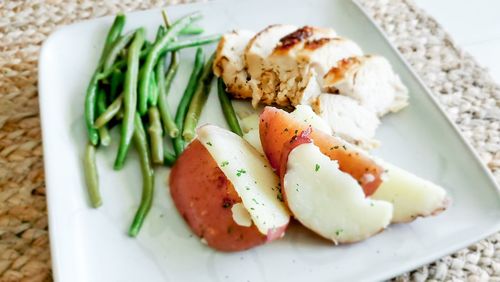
{"x":53,"y":234}
{"x":476,"y":158}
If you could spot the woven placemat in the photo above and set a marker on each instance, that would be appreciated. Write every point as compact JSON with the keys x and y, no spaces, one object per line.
{"x":470,"y":97}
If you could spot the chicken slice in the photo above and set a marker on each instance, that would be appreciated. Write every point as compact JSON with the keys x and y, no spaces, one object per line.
{"x":348,"y":119}
{"x":285,"y":65}
{"x":256,"y":53}
{"x":229,"y":63}
{"x":300,"y":69}
{"x":371,"y":81}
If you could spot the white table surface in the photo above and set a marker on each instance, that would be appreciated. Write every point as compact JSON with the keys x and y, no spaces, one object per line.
{"x":474,"y":25}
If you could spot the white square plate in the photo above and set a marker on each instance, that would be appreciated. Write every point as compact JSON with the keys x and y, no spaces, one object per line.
{"x":92,"y":245}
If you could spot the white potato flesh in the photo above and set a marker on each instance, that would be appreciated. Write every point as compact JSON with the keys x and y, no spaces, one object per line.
{"x":249,"y":122}
{"x":251,"y":175}
{"x":240,"y":215}
{"x":371,"y":81}
{"x":305,"y":114}
{"x":348,"y":119}
{"x":253,"y":137}
{"x":410,"y":195}
{"x":329,"y":201}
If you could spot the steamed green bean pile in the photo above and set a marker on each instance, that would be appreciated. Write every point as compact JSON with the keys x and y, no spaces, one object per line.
{"x":128,"y":91}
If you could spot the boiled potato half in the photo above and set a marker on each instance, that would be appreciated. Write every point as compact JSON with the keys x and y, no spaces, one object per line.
{"x":227,"y":192}
{"x":277,"y":127}
{"x":326,"y":200}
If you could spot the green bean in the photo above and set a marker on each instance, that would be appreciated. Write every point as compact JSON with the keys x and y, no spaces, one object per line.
{"x":192,"y":42}
{"x":109,"y":113}
{"x":90,"y":106}
{"x":192,"y":30}
{"x":169,"y":158}
{"x":115,"y":50}
{"x":155,"y":135}
{"x":91,"y":176}
{"x":113,"y":34}
{"x":164,"y":84}
{"x":153,"y":91}
{"x":141,"y":145}
{"x":154,"y":54}
{"x":180,"y":115}
{"x":104,"y":137}
{"x":100,"y":101}
{"x":227,"y":108}
{"x":129,"y":97}
{"x":175,"y":46}
{"x":91,"y":93}
{"x":116,"y":81}
{"x":199,"y":99}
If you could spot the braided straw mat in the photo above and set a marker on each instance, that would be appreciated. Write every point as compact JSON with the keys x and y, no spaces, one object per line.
{"x":465,"y":90}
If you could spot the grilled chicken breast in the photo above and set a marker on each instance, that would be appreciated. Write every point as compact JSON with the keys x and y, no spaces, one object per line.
{"x":371,"y":81}
{"x":348,"y":119}
{"x":256,"y":56}
{"x":229,"y":63}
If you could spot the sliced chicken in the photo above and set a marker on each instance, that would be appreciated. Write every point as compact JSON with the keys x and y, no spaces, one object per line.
{"x":256,"y":53}
{"x":300,"y":69}
{"x":285,"y":65}
{"x":229,"y":63}
{"x":371,"y":81}
{"x":348,"y":119}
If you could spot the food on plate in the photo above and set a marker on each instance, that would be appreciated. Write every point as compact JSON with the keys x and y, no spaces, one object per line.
{"x":278,"y":127}
{"x":129,"y":63}
{"x":410,"y":195}
{"x":178,"y":142}
{"x":369,"y":80}
{"x":348,"y":119}
{"x":326,"y":200}
{"x":233,"y":200}
{"x":238,"y":188}
{"x":229,"y":62}
{"x":289,"y":66}
{"x":198,"y":101}
{"x":227,"y":108}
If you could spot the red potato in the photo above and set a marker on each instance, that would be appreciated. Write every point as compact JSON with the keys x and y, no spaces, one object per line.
{"x":302,"y":138}
{"x":204,"y":199}
{"x":326,"y":200}
{"x":278,"y":127}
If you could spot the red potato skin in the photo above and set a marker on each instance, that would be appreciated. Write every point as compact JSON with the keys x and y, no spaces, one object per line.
{"x":278,"y":127}
{"x":204,"y":197}
{"x":302,"y":138}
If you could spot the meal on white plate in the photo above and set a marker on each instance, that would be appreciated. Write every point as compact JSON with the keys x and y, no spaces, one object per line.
{"x":302,"y":105}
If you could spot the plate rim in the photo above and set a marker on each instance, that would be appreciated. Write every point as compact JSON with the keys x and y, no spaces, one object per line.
{"x":414,"y":264}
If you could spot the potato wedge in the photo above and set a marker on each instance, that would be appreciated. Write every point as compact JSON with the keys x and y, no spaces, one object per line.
{"x":278,"y":127}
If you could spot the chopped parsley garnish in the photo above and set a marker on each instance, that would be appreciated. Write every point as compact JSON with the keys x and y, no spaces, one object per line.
{"x":316,"y":168}
{"x":239,"y":172}
{"x":209,"y":144}
{"x":343,"y":146}
{"x":224,"y":163}
{"x":339,"y":231}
